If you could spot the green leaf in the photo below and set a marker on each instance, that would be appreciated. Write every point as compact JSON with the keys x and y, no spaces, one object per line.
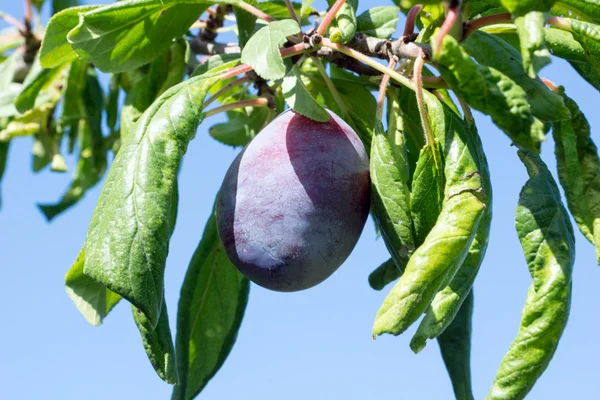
{"x":306,"y":9}
{"x":586,"y":10}
{"x":128,"y":237}
{"x":383,"y":275}
{"x":446,"y":304}
{"x":579,"y":172}
{"x":241,"y":127}
{"x":127,"y":34}
{"x":3,"y":160}
{"x":435,"y":262}
{"x":246,"y":23}
{"x":533,"y":44}
{"x":522,"y":7}
{"x":378,"y":21}
{"x":587,"y":72}
{"x":7,"y":100}
{"x":427,"y":192}
{"x":55,"y":49}
{"x":92,"y":299}
{"x":390,"y":198}
{"x":8,"y":68}
{"x":158,"y":343}
{"x":546,"y":236}
{"x":343,"y":26}
{"x":299,"y":99}
{"x":404,"y":126}
{"x":483,"y":7}
{"x":455,"y":346}
{"x":92,"y":155}
{"x":211,"y":307}
{"x":39,"y":79}
{"x":277,"y":9}
{"x":217,"y":61}
{"x":397,"y":137}
{"x":59,"y":5}
{"x":262,"y":50}
{"x":490,"y":91}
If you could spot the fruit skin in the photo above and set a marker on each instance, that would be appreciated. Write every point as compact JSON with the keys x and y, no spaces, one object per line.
{"x":294,"y":202}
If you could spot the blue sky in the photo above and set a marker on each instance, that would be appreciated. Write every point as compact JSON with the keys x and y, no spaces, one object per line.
{"x":314,"y":344}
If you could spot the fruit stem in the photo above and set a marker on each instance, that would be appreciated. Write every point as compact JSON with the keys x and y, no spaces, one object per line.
{"x":370,"y":62}
{"x":254,"y":11}
{"x":9,"y":19}
{"x":479,"y":23}
{"x":329,"y":17}
{"x":466,"y":111}
{"x":225,"y":89}
{"x":292,"y":12}
{"x":383,"y":87}
{"x":27,"y":17}
{"x":411,"y":17}
{"x":260,"y":102}
{"x":417,"y":78}
{"x":330,"y":86}
{"x":451,"y":18}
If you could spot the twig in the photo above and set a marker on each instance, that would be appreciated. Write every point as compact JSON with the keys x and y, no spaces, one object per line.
{"x":225,"y":89}
{"x":260,"y":102}
{"x":372,"y":63}
{"x":254,"y":11}
{"x":419,"y":62}
{"x":383,"y":88}
{"x":479,"y":23}
{"x":411,"y":17}
{"x":292,"y":12}
{"x":27,"y":16}
{"x":9,"y":19}
{"x":466,"y":111}
{"x":329,"y":17}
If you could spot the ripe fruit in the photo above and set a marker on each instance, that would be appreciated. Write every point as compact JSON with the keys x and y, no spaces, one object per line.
{"x":294,"y":202}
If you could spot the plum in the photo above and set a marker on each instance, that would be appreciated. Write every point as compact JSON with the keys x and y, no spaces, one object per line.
{"x":294,"y":202}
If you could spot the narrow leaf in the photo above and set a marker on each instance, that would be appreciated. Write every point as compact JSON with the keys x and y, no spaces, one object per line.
{"x":490,"y":91}
{"x":378,"y":21}
{"x":55,"y":49}
{"x":546,"y":236}
{"x":158,"y":343}
{"x":383,"y":275}
{"x":533,"y":44}
{"x":128,"y":237}
{"x":455,"y":346}
{"x":211,"y":307}
{"x":579,"y":172}
{"x":92,"y":299}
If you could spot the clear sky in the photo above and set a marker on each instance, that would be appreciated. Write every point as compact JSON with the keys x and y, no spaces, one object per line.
{"x":314,"y":344}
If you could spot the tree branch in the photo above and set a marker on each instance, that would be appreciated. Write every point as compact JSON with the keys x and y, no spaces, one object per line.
{"x":380,"y":48}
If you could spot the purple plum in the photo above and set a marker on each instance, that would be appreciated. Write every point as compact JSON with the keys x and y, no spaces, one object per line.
{"x":294,"y":202}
